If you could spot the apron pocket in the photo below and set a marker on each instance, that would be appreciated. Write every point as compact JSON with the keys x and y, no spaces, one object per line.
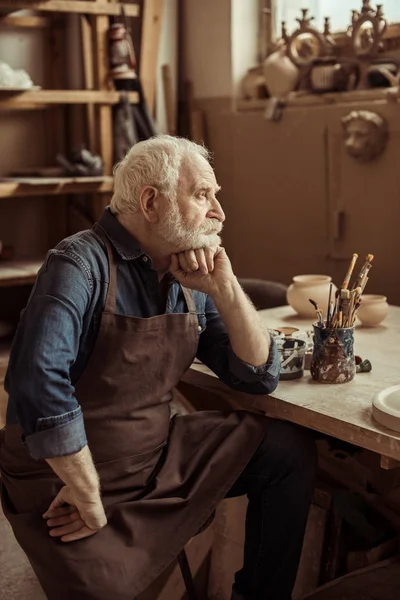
{"x":129,"y":473}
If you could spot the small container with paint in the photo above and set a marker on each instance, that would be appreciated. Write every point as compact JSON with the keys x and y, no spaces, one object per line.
{"x":333,"y":354}
{"x":291,"y":352}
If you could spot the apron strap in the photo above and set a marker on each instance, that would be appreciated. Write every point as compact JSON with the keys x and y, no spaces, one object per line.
{"x":189,"y":300}
{"x":111,"y":299}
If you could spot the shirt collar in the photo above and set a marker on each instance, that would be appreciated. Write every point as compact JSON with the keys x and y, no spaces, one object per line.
{"x":126,"y":245}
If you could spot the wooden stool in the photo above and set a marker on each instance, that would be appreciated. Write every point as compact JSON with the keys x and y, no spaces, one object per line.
{"x":185,"y":567}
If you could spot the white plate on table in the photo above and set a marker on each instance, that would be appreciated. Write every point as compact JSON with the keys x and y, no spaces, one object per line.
{"x":386,"y":407}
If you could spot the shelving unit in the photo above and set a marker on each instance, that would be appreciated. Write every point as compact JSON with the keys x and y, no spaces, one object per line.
{"x":98,"y":99}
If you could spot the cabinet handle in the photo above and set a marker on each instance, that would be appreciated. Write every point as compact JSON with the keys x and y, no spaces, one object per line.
{"x":339,"y":224}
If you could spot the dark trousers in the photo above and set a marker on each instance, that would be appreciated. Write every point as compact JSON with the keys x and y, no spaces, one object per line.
{"x":279,"y":483}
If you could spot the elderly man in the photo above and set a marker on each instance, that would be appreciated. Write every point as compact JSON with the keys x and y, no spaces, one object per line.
{"x":102,"y":486}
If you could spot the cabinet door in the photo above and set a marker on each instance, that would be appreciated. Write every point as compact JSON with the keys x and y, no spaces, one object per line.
{"x":364,"y":202}
{"x":277,"y":225}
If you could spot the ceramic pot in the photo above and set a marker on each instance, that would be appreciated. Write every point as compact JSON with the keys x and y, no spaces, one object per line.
{"x":305,"y":287}
{"x":373,"y":310}
{"x":281,"y":75}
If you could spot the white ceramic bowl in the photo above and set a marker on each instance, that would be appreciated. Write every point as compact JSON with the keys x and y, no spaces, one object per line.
{"x":373,"y":310}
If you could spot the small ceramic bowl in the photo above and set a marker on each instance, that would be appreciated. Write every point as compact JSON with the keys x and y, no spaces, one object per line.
{"x":373,"y":310}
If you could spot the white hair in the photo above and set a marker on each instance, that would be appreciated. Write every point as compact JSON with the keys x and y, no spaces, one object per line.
{"x":156,"y":162}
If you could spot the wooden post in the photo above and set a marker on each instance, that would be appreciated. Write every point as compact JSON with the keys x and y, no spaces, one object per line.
{"x":88,"y":72}
{"x":103,"y":113}
{"x":151,"y":32}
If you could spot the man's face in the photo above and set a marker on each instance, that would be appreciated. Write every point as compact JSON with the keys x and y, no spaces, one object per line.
{"x":194,"y":219}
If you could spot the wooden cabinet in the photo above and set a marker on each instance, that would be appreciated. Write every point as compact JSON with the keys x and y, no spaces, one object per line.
{"x":364,"y":202}
{"x":297,"y":203}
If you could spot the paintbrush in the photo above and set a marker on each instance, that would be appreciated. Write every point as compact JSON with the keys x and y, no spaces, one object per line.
{"x":364,"y":271}
{"x":355,"y":296}
{"x":335,"y":309}
{"x":345,"y":306}
{"x":319,"y":313}
{"x":328,"y":316}
{"x":349,"y":273}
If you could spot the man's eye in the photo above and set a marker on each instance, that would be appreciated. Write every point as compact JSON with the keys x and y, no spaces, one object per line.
{"x":202,"y":194}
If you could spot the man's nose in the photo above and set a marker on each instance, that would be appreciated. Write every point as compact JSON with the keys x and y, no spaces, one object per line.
{"x":216,"y":211}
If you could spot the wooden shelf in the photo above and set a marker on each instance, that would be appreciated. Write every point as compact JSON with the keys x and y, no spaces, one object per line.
{"x":29,"y":186}
{"x":72,"y":6}
{"x":301,"y":100}
{"x":33,"y":99}
{"x":20,"y":272}
{"x":29,"y":21}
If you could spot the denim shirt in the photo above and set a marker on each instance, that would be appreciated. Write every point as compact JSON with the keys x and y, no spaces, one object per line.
{"x":58,"y":329}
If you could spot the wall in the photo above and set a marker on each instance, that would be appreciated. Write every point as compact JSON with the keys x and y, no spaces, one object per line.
{"x":220,"y":42}
{"x":206,"y":44}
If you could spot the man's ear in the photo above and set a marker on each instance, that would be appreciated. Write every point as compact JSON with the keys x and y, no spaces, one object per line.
{"x":150,"y":203}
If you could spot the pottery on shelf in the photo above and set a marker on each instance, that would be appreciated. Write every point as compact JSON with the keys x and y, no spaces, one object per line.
{"x":305,"y":287}
{"x":281,"y":75}
{"x":373,"y":310}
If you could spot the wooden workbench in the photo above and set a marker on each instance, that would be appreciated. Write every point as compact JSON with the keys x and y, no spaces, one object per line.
{"x":342,"y":411}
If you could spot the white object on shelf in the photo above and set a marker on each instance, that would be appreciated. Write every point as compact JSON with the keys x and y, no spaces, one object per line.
{"x":14,"y":79}
{"x":281,"y":75}
{"x":386,"y":407}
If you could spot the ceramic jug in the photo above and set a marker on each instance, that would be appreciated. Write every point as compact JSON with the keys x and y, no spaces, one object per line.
{"x":281,"y":75}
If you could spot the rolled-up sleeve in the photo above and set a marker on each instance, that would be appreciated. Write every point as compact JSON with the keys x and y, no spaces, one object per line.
{"x":45,"y":347}
{"x":215,"y":351}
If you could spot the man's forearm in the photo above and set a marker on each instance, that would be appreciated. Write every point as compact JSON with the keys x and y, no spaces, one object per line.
{"x":77,"y":471}
{"x":247,"y":334}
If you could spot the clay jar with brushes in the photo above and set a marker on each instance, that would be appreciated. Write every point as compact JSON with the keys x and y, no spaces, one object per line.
{"x":305,"y":287}
{"x":333,"y":354}
{"x":373,"y":310}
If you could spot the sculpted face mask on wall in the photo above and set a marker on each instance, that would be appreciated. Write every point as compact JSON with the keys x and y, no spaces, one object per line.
{"x":366,"y":134}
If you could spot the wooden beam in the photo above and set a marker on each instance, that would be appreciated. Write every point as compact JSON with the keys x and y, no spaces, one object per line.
{"x":389,"y":463}
{"x":30,"y":22}
{"x":151,"y":32}
{"x":30,"y":98}
{"x":73,"y":6}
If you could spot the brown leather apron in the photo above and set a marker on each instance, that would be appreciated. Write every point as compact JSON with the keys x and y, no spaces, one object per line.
{"x":161,"y":478}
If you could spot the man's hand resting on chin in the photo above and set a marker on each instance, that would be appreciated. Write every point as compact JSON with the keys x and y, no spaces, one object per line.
{"x":206,"y":270}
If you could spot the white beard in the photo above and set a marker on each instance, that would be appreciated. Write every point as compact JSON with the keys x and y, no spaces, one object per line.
{"x":177,"y":234}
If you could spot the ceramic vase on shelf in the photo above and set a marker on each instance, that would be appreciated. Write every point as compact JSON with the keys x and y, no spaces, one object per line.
{"x":373,"y":310}
{"x":305,"y":287}
{"x":281,"y":75}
